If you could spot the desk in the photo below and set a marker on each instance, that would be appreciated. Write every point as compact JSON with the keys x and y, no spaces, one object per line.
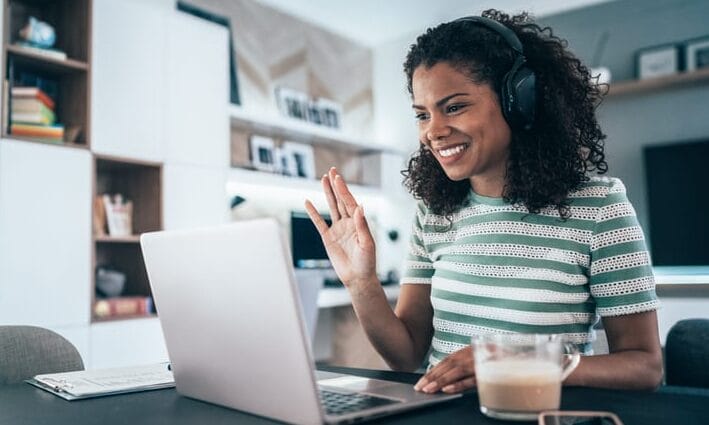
{"x":23,"y":404}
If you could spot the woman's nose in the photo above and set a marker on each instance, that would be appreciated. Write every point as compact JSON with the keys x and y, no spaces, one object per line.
{"x":437,"y":129}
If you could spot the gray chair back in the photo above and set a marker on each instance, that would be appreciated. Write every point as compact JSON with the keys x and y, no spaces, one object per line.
{"x":687,"y":353}
{"x":26,"y":351}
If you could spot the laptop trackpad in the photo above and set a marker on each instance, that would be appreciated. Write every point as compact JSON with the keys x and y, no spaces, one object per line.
{"x":353,"y":383}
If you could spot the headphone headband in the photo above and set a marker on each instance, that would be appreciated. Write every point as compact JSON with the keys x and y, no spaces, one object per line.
{"x":506,"y":33}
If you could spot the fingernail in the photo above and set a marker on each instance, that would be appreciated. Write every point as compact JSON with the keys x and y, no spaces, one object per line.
{"x":431,"y":387}
{"x":447,"y":388}
{"x":420,"y":384}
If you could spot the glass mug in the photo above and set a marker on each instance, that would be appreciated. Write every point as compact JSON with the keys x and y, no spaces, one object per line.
{"x":520,"y":375}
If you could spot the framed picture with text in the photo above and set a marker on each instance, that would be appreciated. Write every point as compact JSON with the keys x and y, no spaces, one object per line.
{"x":696,"y":53}
{"x":658,"y":61}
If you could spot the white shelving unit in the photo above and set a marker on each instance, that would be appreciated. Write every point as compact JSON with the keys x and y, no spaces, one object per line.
{"x":294,"y":129}
{"x":240,"y":177}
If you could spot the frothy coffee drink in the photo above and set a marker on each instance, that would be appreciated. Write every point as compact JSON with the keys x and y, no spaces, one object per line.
{"x":519,"y":385}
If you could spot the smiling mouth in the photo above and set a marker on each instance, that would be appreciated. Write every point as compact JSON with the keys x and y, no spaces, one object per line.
{"x":452,"y":150}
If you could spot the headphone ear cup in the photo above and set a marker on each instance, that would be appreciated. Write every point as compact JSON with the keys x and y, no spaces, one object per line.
{"x":524,"y":86}
{"x":518,"y":97}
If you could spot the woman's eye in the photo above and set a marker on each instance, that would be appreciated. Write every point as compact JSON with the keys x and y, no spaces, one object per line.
{"x":421,"y":117}
{"x":454,"y":108}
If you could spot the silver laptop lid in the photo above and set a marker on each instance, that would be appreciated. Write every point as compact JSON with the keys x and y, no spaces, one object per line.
{"x":228,"y":320}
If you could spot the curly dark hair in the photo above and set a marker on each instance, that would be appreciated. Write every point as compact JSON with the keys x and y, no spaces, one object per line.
{"x":547,"y":162}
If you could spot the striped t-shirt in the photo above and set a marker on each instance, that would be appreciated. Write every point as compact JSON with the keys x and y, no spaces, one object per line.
{"x":500,"y":269}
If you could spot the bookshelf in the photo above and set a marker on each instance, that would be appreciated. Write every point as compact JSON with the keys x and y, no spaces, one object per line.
{"x":358,"y":160}
{"x":638,"y":87}
{"x":66,"y":80}
{"x":141,"y":183}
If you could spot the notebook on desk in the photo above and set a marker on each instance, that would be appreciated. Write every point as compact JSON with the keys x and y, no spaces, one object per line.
{"x":229,"y":309}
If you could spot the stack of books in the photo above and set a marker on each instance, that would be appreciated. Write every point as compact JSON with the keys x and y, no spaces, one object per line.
{"x":32,"y":115}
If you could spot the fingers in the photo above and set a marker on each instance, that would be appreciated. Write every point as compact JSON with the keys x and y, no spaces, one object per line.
{"x":455,"y":373}
{"x":315,"y":217}
{"x":442,"y":376}
{"x":341,"y":208}
{"x":460,"y":386}
{"x":344,"y":195}
{"x":364,"y":236}
{"x":330,"y":195}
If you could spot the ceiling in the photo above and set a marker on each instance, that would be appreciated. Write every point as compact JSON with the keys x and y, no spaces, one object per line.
{"x":373,"y":22}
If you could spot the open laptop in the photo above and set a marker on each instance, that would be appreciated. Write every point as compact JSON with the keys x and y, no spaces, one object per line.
{"x":234,"y":331}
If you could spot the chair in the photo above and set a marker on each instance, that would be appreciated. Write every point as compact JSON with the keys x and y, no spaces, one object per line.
{"x":26,"y":351}
{"x":687,"y":353}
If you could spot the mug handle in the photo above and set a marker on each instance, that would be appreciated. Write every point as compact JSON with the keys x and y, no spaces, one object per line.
{"x":572,"y":358}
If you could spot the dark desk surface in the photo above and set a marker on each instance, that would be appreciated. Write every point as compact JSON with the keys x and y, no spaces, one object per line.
{"x":25,"y":404}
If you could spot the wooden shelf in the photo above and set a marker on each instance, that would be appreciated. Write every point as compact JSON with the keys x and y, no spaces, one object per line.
{"x":119,"y":318}
{"x":66,"y":81}
{"x":637,"y":87}
{"x":58,"y":66}
{"x":300,"y":131}
{"x":117,"y":239}
{"x":141,"y":183}
{"x":44,"y":142}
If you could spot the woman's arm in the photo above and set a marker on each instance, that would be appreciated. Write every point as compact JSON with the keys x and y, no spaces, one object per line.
{"x":635,"y":358}
{"x":401,"y":338}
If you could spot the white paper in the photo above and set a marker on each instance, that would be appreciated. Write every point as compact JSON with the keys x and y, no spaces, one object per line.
{"x":107,"y":381}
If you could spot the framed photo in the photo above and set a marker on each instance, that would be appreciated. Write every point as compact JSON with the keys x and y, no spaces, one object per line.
{"x":285,"y":163}
{"x":697,"y":54}
{"x":658,"y":61}
{"x":292,"y":103}
{"x":263,"y":153}
{"x":302,"y":159}
{"x":330,"y":113}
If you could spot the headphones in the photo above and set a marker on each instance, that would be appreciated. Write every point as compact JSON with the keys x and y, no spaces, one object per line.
{"x":517,"y":94}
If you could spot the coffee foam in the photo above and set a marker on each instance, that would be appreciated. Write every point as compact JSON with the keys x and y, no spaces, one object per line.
{"x":519,"y":371}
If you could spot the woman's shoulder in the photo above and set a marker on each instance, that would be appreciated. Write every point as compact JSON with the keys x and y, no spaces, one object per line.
{"x":599,"y":187}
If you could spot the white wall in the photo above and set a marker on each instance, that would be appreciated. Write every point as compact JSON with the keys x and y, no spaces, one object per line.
{"x":394,"y":122}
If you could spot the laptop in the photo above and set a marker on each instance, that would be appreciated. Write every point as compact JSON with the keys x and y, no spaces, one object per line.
{"x":233,"y":325}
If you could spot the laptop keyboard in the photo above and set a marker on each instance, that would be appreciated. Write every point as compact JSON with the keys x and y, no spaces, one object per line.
{"x":336,"y":403}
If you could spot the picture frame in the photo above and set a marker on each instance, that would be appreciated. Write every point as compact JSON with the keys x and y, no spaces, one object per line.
{"x":658,"y":61}
{"x":302,"y":159}
{"x":292,"y":103}
{"x":330,"y":112}
{"x":182,"y":6}
{"x":285,"y":163}
{"x":263,"y":153}
{"x":696,"y":53}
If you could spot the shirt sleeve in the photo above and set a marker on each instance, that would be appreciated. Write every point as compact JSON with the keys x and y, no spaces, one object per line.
{"x":621,"y":280}
{"x":418,"y":267}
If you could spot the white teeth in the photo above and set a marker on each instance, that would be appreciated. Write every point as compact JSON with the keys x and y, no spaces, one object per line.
{"x":452,"y":151}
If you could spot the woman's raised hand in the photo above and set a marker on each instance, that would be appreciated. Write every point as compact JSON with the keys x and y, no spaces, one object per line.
{"x":348,"y":241}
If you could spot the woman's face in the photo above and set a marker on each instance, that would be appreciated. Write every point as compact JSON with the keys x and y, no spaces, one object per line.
{"x":462,"y":124}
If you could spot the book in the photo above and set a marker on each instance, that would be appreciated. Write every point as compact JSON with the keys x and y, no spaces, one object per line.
{"x":55,"y":131}
{"x":122,"y":306}
{"x":32,"y":93}
{"x":27,"y":104}
{"x":103,"y":382}
{"x":45,"y":116}
{"x":43,"y":51}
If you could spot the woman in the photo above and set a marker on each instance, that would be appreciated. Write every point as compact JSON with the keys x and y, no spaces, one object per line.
{"x":511,"y":235}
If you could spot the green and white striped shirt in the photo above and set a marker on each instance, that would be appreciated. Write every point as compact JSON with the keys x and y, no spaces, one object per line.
{"x":500,"y":269}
